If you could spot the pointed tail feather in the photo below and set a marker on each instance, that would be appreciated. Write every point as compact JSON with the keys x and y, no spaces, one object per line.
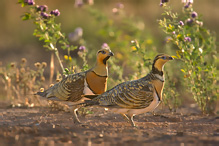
{"x":43,"y":94}
{"x":91,"y":96}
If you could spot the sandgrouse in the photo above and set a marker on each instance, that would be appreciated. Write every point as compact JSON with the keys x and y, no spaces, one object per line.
{"x":135,"y":97}
{"x":90,"y":82}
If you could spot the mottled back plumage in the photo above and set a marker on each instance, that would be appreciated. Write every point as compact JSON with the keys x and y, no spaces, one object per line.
{"x":134,"y":94}
{"x":68,"y":89}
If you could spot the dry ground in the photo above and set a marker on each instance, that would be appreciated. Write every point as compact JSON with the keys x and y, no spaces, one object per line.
{"x":44,"y":126}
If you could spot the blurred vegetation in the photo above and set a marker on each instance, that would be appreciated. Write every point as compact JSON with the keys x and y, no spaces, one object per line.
{"x":112,"y":22}
{"x":21,"y":82}
{"x":197,"y":50}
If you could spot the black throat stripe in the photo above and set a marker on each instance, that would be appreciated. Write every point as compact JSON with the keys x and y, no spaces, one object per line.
{"x":156,"y":71}
{"x":99,"y":75}
{"x":105,"y":59}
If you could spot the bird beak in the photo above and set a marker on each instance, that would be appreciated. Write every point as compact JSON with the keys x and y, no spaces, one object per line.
{"x":111,"y":54}
{"x":171,"y":58}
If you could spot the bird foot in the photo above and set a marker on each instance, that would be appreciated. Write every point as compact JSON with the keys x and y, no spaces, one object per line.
{"x":79,"y":123}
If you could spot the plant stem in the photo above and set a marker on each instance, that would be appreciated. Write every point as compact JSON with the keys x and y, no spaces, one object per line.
{"x":51,"y":67}
{"x":60,"y":62}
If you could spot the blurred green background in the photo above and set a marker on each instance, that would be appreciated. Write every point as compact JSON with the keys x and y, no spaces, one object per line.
{"x":17,"y":41}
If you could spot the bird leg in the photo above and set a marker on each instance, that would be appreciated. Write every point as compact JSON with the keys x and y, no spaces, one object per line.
{"x":125,"y":117}
{"x":131,"y":121}
{"x":75,"y":117}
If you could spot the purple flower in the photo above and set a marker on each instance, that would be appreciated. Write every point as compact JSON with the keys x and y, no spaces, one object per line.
{"x":29,"y":2}
{"x":173,"y":32}
{"x":181,"y":23}
{"x":194,"y":14}
{"x":187,"y":5}
{"x":79,"y":3}
{"x":43,"y":8}
{"x":119,"y":5}
{"x":76,"y":35}
{"x":105,"y":45}
{"x":190,"y":1}
{"x":82,"y":48}
{"x":189,"y":21}
{"x":164,"y":1}
{"x":45,"y":15}
{"x":187,"y":39}
{"x":55,"y":12}
{"x":161,"y":4}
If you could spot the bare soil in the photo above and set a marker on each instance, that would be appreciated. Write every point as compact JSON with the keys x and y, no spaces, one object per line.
{"x":46,"y":126}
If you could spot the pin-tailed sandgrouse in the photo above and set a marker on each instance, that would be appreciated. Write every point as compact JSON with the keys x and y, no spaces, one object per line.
{"x":92,"y":81}
{"x":135,"y":97}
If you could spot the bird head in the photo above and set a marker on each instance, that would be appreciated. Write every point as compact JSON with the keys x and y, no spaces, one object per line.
{"x":160,"y":60}
{"x":103,"y":55}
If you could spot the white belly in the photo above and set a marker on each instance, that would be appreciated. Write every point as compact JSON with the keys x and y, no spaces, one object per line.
{"x":87,"y":90}
{"x":131,"y":112}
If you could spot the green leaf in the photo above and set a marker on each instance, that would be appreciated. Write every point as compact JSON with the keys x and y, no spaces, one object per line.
{"x":47,"y":41}
{"x":26,"y":16}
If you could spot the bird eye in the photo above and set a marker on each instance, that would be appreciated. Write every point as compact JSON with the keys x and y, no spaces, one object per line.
{"x":163,"y":57}
{"x":103,"y":52}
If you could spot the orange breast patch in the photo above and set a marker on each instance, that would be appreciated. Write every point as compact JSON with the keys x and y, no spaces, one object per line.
{"x":159,"y":87}
{"x":97,"y":84}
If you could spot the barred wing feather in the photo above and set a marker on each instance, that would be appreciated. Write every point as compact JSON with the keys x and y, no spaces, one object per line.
{"x":69,"y":89}
{"x":131,"y":95}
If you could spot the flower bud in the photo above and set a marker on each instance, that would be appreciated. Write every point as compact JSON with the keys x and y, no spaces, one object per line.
{"x":37,"y":65}
{"x":105,"y":45}
{"x":12,"y":64}
{"x":44,"y":64}
{"x":55,"y":12}
{"x":23,"y":60}
{"x":190,"y":1}
{"x":161,"y":4}
{"x":187,"y":39}
{"x":42,"y":8}
{"x":187,"y":5}
{"x":181,"y":23}
{"x":79,"y":3}
{"x":82,"y":48}
{"x":194,"y":14}
{"x":200,"y":23}
{"x":45,"y":15}
{"x":29,"y":2}
{"x":189,"y":21}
